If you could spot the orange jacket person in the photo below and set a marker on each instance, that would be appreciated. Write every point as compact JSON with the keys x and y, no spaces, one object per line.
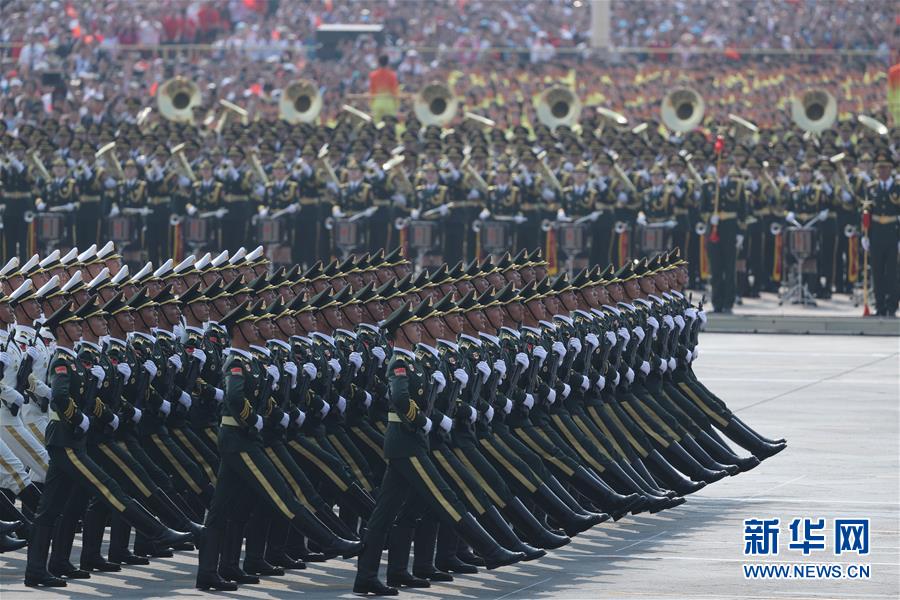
{"x":384,"y":90}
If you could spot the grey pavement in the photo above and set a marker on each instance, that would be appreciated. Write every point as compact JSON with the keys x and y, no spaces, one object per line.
{"x":836,"y":400}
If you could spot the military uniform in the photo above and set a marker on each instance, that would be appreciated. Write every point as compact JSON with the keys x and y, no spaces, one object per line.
{"x":884,"y":196}
{"x":723,"y":254}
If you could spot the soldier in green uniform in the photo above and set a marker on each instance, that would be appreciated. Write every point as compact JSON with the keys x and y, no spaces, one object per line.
{"x":881,"y":241}
{"x":73,"y":399}
{"x":207,"y":195}
{"x":17,"y":187}
{"x":723,"y":201}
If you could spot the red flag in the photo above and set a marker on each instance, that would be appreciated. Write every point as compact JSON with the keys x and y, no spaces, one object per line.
{"x":720,"y":144}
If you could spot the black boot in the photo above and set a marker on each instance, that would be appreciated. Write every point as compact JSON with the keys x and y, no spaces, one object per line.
{"x":446,"y":559}
{"x":572,"y":522}
{"x":10,"y":543}
{"x":9,"y":526}
{"x":739,"y":434}
{"x":616,"y":476}
{"x":359,"y":501}
{"x":494,"y":554}
{"x":703,"y":457}
{"x":276,"y":548}
{"x":36,"y":573}
{"x":670,"y":476}
{"x":119,"y":539}
{"x":257,"y":532}
{"x":208,"y":578}
{"x":725,"y":455}
{"x":336,"y":524}
{"x":398,"y":575}
{"x":171,"y":514}
{"x":425,"y":537}
{"x":92,"y":529}
{"x":230,"y":555}
{"x":756,"y":434}
{"x":534,"y":532}
{"x":614,"y":503}
{"x":643,"y":486}
{"x":329,"y":543}
{"x":296,"y":546}
{"x":373,"y":587}
{"x":63,"y":538}
{"x":506,"y":537}
{"x":687,"y":464}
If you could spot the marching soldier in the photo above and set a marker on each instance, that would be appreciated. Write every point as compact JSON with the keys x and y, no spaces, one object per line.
{"x":307,"y":229}
{"x":94,"y":186}
{"x":281,"y":194}
{"x":882,"y":239}
{"x":579,"y":200}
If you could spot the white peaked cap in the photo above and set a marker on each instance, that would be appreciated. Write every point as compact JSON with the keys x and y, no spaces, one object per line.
{"x":88,"y":254}
{"x":73,"y":281}
{"x":48,"y":287}
{"x":163,"y":268}
{"x":51,"y":258}
{"x":100,"y":278}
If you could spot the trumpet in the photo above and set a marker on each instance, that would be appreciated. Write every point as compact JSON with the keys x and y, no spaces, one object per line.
{"x":480,"y":183}
{"x":110,"y":149}
{"x":548,"y":172}
{"x":258,"y":168}
{"x":687,"y":156}
{"x":178,"y":153}
{"x":621,"y":174}
{"x":39,"y":165}
{"x":323,"y":158}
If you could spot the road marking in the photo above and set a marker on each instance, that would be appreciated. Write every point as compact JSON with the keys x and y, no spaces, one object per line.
{"x":640,"y":541}
{"x":520,"y":590}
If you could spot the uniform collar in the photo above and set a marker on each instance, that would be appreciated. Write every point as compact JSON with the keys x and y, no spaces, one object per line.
{"x":158,"y":332}
{"x":91,"y":345}
{"x":68,"y":351}
{"x":25,"y":329}
{"x":193,"y":329}
{"x":431,"y":349}
{"x":141,"y":334}
{"x":262,"y":350}
{"x":239,"y":352}
{"x":281,"y":343}
{"x":404,"y":352}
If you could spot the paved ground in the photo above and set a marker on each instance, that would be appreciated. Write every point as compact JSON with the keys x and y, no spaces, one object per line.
{"x":834,"y":398}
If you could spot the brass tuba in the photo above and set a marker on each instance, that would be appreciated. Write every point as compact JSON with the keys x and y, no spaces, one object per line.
{"x":815,"y":111}
{"x":682,"y":109}
{"x":558,"y":106}
{"x":176,"y":99}
{"x":300,"y":102}
{"x":435,"y":104}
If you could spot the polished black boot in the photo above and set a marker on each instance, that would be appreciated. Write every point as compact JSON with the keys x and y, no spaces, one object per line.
{"x":336,"y":524}
{"x":276,"y":548}
{"x":613,"y":503}
{"x":296,"y":546}
{"x":398,"y":575}
{"x":494,"y":554}
{"x":446,"y":559}
{"x":158,"y":535}
{"x":643,"y":485}
{"x":63,"y":538}
{"x":560,"y":511}
{"x":209,"y":546}
{"x":725,"y":455}
{"x":739,"y":434}
{"x":171,"y":514}
{"x":425,"y":537}
{"x":756,"y":434}
{"x":230,"y":555}
{"x":329,"y":543}
{"x":36,"y":573}
{"x":256,"y":533}
{"x":373,"y":587}
{"x":9,"y":526}
{"x":92,"y":529}
{"x":359,"y":501}
{"x":669,"y":475}
{"x":687,"y":464}
{"x":534,"y":532}
{"x":616,"y":476}
{"x":119,"y":539}
{"x":506,"y":537}
{"x":703,"y":457}
{"x":10,"y":543}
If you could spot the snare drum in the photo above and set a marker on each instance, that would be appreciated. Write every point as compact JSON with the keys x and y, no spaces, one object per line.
{"x":801,"y":242}
{"x":49,"y":227}
{"x":496,"y":236}
{"x":198,"y":231}
{"x":422,"y":235}
{"x":653,"y":240}
{"x":121,"y":229}
{"x":271,"y":231}
{"x":347,"y":233}
{"x":572,"y":238}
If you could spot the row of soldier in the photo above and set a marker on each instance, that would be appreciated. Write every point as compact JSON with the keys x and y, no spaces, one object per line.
{"x":636,"y":205}
{"x":484,"y":410}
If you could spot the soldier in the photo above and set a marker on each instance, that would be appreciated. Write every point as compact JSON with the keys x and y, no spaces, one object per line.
{"x":882,"y":239}
{"x":281,"y":194}
{"x":94,"y":185}
{"x":207,"y":196}
{"x":353,"y":196}
{"x":237,"y":182}
{"x":431,"y":195}
{"x":60,"y":194}
{"x":724,"y":203}
{"x":18,"y":183}
{"x":131,"y":193}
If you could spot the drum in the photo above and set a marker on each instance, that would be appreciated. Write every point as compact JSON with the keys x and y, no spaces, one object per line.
{"x":653,"y":240}
{"x":49,"y":227}
{"x":496,"y":236}
{"x":347,"y":233}
{"x":271,"y":231}
{"x":423,"y":235}
{"x":801,"y":242}
{"x":121,"y":229}
{"x":572,"y":238}
{"x":198,"y":231}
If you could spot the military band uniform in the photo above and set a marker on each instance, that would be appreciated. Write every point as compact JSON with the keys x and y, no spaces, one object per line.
{"x":884,"y":233}
{"x":723,"y":254}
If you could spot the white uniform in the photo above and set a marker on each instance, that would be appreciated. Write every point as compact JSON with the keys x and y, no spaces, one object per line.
{"x":33,"y":417}
{"x":13,"y":431}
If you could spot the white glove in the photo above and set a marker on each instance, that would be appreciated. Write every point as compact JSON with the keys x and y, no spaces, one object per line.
{"x":291,"y":369}
{"x":592,"y":340}
{"x":473,"y":414}
{"x":356,"y":359}
{"x":263,"y":212}
{"x":378,"y":353}
{"x":98,"y":372}
{"x":218,"y":394}
{"x":629,"y":375}
{"x":585,"y":383}
{"x":672,"y":363}
{"x":645,"y":367}
{"x":5,"y":359}
{"x":443,"y":210}
{"x":653,"y":323}
{"x":427,"y":425}
{"x":291,"y":209}
{"x":714,"y":220}
{"x":310,"y":370}
{"x":17,"y":398}
{"x":679,"y":320}
{"x":624,"y":334}
{"x":285,"y":420}
{"x":484,"y":214}
{"x":32,"y":352}
{"x":440,"y":380}
{"x":124,"y":369}
{"x":695,"y":354}
{"x":414,"y":214}
{"x":639,"y":333}
{"x":335,"y":367}
{"x":567,"y":389}
{"x":336,"y":212}
{"x":551,"y":396}
{"x":529,"y":401}
{"x":483,"y":368}
{"x":739,"y":240}
{"x":669,"y":321}
{"x":823,"y":214}
{"x":575,"y":345}
{"x":500,"y":367}
{"x":273,"y":372}
{"x":175,"y":361}
{"x":184,"y":399}
{"x":115,"y":422}
{"x":663,"y":365}
{"x":691,"y":313}
{"x":259,"y":423}
{"x":368,"y":400}
{"x":138,"y":413}
{"x":522,"y":359}
{"x":68,"y":206}
{"x":617,"y":379}
{"x":865,"y":243}
{"x":489,"y":414}
{"x":165,"y":407}
{"x":540,"y":353}
{"x":560,"y":215}
{"x":641,"y":219}
{"x":191,"y":210}
{"x":301,"y":417}
{"x":601,"y":383}
{"x":199,"y":355}
{"x":702,"y":315}
{"x":85,"y":423}
{"x":462,"y":377}
{"x":507,"y":408}
{"x":559,"y":349}
{"x":610,"y":337}
{"x":41,"y":206}
{"x":326,"y":408}
{"x":342,"y":404}
{"x":446,"y":424}
{"x":790,"y":217}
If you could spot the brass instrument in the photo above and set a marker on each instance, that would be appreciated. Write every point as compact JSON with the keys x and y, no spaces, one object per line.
{"x":548,"y":172}
{"x":815,"y":111}
{"x":558,"y":106}
{"x":622,"y":174}
{"x":176,"y":99}
{"x":300,"y":102}
{"x":113,"y":159}
{"x":395,"y":161}
{"x":617,"y":118}
{"x":435,"y":104}
{"x":39,"y":165}
{"x":362,"y":116}
{"x":323,"y":158}
{"x":479,"y":119}
{"x":231,"y":107}
{"x":687,"y":156}
{"x":258,"y":168}
{"x":682,"y":109}
{"x":873,"y":124}
{"x":850,"y":230}
{"x":178,"y":153}
{"x":836,"y":160}
{"x":770,"y":181}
